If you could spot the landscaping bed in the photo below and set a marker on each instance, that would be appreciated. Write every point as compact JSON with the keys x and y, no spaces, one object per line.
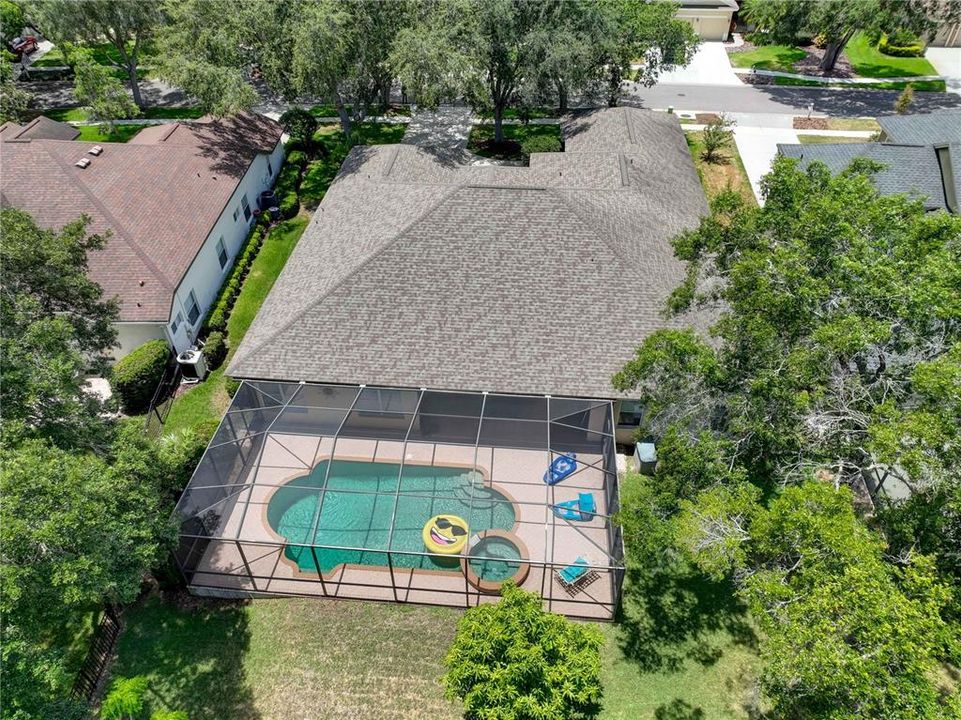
{"x":728,"y":173}
{"x":518,"y":140}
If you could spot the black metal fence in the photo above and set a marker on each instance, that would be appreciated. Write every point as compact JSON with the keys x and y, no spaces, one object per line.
{"x":163,"y":397}
{"x":98,"y":654}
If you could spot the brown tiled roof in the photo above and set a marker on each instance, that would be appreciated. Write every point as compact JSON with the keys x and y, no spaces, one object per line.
{"x":159,"y":199}
{"x":420,"y":273}
{"x":40,"y":128}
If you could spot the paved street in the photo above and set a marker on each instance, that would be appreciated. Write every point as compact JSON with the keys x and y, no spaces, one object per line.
{"x":774,"y":99}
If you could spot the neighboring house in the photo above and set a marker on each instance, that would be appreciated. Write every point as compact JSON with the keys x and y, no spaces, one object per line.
{"x":711,"y":19}
{"x":921,"y":155}
{"x":948,"y":35}
{"x":177,"y":201}
{"x":537,"y":280}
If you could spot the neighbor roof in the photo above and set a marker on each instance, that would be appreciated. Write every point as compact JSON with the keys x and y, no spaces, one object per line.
{"x":910,"y":169}
{"x":938,"y":128}
{"x":418,"y":273}
{"x":158,"y":196}
{"x":40,"y":128}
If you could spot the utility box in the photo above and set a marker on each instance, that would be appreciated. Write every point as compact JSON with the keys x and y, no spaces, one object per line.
{"x":192,"y":365}
{"x":645,"y":457}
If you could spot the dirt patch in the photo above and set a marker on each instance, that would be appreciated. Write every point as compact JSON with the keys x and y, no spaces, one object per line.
{"x":756,"y":79}
{"x":706,"y":118}
{"x":809,"y":123}
{"x":811,"y":64}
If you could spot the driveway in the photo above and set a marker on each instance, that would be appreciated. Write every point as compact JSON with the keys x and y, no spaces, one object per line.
{"x":443,"y":132}
{"x":947,"y":61}
{"x":710,"y":66}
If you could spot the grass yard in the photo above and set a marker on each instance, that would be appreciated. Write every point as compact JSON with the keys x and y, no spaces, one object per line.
{"x":392,"y":111}
{"x":853,"y":124}
{"x":867,"y":61}
{"x":768,"y":57}
{"x":80,"y":114}
{"x":720,"y":176}
{"x":537,"y":113}
{"x":481,"y":140}
{"x":206,"y":402}
{"x":119,"y":134}
{"x":919,"y":85}
{"x":828,"y":140}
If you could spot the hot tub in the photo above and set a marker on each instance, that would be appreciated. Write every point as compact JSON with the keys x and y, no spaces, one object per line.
{"x":495,"y":556}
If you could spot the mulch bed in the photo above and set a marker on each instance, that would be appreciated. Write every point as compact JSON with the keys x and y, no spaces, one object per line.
{"x":706,"y":118}
{"x":808,"y":123}
{"x":507,"y":150}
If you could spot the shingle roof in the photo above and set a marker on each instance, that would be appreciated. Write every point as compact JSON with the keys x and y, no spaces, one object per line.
{"x":908,"y":169}
{"x":158,"y":199}
{"x":40,"y":128}
{"x":533,"y":280}
{"x":930,"y":129}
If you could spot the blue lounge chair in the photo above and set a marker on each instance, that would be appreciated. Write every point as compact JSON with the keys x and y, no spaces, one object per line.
{"x":562,"y":466}
{"x":577,"y":575}
{"x":582,"y":509}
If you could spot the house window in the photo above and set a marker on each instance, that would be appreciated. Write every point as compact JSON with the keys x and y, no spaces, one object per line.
{"x":246,"y":206}
{"x":193,"y":309}
{"x":630,"y":413}
{"x":175,"y":325}
{"x":270,"y":169}
{"x":236,"y":213}
{"x":222,"y":253}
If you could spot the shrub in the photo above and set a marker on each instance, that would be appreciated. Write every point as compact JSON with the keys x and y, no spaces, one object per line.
{"x":288,"y":183}
{"x":901,"y":44}
{"x":300,"y":124}
{"x":716,"y":136}
{"x":125,"y":699}
{"x":903,"y":104}
{"x":135,"y":377}
{"x":231,"y":385}
{"x":217,"y":319}
{"x":169,"y":715}
{"x":180,"y":452}
{"x":513,"y":659}
{"x":540,"y":143}
{"x":298,"y":158}
{"x":215,"y":349}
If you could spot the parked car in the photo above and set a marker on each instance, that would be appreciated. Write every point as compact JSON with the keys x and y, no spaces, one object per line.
{"x":23,"y":45}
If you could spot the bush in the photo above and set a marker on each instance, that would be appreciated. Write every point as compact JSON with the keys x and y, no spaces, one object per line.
{"x":180,"y":452}
{"x":716,"y":136}
{"x":125,"y":699}
{"x":215,"y":349}
{"x":540,"y":144}
{"x":513,"y":659}
{"x":217,"y":319}
{"x":300,"y":124}
{"x":288,"y":183}
{"x":903,"y":104}
{"x":135,"y":377}
{"x":298,"y":158}
{"x":231,"y":385}
{"x":901,"y":44}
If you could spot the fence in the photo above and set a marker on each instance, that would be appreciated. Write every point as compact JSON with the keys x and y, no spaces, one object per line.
{"x":98,"y":655}
{"x":163,"y":397}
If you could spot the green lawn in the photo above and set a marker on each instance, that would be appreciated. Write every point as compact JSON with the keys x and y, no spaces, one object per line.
{"x":79,"y":114}
{"x":205,"y":403}
{"x":74,"y":114}
{"x":514,"y":114}
{"x":768,"y":57}
{"x":726,"y":174}
{"x":119,"y":134}
{"x":481,"y":140}
{"x":392,"y":111}
{"x":868,"y":61}
{"x":828,"y":140}
{"x":366,"y":133}
{"x":919,"y":85}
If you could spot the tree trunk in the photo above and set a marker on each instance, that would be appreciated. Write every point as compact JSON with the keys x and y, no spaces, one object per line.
{"x":498,"y":124}
{"x":833,"y":51}
{"x":561,"y":98}
{"x":343,"y":115}
{"x":135,"y":85}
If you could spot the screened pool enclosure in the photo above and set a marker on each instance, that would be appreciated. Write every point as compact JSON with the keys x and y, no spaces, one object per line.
{"x":403,"y":495}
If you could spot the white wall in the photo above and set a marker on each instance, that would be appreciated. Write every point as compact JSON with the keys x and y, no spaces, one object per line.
{"x":130,"y":335}
{"x":205,"y":276}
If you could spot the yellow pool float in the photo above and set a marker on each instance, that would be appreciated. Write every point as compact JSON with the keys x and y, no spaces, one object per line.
{"x":445,"y":534}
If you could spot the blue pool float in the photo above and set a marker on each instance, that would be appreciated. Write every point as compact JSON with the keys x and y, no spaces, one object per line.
{"x":562,"y":466}
{"x":582,"y":509}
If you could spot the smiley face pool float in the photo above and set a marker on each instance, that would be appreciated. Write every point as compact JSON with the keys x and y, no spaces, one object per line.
{"x":445,"y":534}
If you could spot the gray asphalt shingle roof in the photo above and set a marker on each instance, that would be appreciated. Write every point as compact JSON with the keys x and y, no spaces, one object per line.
{"x":908,"y":169}
{"x":930,"y":129}
{"x":531,"y":280}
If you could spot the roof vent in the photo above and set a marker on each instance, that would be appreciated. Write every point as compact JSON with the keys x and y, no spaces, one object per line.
{"x":95,"y":150}
{"x":82,"y":162}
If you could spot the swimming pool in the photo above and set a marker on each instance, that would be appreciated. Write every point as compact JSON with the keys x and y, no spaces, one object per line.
{"x":353,"y":506}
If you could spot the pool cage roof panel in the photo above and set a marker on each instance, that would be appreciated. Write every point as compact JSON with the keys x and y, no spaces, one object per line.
{"x":346,"y":475}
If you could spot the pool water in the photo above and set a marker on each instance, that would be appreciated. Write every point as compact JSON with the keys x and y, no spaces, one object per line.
{"x":354,"y":506}
{"x":494,"y":559}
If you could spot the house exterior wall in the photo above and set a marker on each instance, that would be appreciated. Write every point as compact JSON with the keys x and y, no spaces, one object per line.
{"x":708,"y":23}
{"x":205,"y":276}
{"x":130,"y":335}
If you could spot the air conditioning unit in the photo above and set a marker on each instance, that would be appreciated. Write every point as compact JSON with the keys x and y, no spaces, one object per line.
{"x":192,"y":365}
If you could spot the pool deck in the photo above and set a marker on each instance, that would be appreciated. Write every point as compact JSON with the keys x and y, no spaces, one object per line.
{"x":247,"y":540}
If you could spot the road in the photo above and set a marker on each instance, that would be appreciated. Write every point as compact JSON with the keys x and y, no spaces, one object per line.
{"x":776,"y":99}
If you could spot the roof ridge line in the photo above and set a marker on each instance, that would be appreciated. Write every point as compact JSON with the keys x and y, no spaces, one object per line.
{"x":602,"y":236}
{"x":121,"y":230}
{"x":389,"y":243}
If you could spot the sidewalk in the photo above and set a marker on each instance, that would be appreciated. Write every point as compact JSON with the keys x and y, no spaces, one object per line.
{"x":757,"y":147}
{"x":947,"y":61}
{"x":837,"y":80}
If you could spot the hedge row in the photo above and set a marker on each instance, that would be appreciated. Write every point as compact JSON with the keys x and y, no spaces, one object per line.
{"x":887,"y":46}
{"x":135,"y":376}
{"x":288,"y":184}
{"x":217,"y":319}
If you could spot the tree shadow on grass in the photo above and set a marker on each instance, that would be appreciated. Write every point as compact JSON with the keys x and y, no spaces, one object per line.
{"x":193,"y":658}
{"x":678,"y":709}
{"x":672,"y":614}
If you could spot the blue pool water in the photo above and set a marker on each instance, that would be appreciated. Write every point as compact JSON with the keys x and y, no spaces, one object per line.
{"x":354,"y":507}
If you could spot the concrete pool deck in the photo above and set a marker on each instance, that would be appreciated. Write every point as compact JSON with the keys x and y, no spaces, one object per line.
{"x":246,"y":544}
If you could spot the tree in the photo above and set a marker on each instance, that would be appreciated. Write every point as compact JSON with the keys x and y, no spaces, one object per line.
{"x":96,"y":88}
{"x":126,"y":24}
{"x":56,"y":328}
{"x":14,"y":100}
{"x":838,"y":20}
{"x":903,"y":104}
{"x":300,"y":124}
{"x":846,"y":635}
{"x":12,"y":20}
{"x":716,"y":136}
{"x":514,"y":660}
{"x":125,"y":699}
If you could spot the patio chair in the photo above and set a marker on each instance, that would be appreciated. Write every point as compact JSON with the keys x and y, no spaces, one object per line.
{"x":562,"y":466}
{"x":582,"y":509}
{"x":576,"y":576}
